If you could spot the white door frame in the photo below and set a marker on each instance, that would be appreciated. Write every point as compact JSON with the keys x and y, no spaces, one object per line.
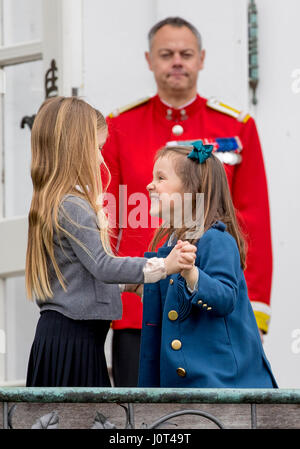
{"x":62,"y":42}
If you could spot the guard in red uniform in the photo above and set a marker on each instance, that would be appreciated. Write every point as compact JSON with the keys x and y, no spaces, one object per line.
{"x":137,"y":131}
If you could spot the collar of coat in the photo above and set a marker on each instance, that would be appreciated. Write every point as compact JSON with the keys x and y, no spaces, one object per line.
{"x":165,"y":249}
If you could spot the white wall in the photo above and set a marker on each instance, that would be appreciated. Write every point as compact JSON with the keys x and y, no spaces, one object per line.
{"x":114,"y":44}
{"x":115,"y":73}
{"x":278,"y":119}
{"x":115,"y":39}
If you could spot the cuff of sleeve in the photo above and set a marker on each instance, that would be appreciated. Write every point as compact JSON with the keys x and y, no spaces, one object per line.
{"x":154,"y":270}
{"x":122,"y":287}
{"x":195,"y":287}
{"x":262,"y":320}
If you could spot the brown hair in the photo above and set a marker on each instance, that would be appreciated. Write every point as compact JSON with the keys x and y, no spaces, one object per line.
{"x":210,"y":179}
{"x":65,"y":159}
{"x":175,"y":22}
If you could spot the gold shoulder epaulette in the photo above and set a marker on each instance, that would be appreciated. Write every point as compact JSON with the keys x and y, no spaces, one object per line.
{"x":129,"y":106}
{"x":221,"y":107}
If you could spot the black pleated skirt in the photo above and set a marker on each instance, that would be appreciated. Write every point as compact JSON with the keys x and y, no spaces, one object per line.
{"x":68,"y":353}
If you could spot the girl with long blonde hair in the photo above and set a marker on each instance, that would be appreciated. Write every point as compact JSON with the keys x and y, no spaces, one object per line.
{"x":71,"y":271}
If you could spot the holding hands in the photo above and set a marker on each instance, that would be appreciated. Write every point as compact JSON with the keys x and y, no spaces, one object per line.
{"x":180,"y":260}
{"x":182,"y":257}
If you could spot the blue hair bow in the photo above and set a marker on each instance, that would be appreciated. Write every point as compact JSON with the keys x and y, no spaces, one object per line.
{"x":200,"y":152}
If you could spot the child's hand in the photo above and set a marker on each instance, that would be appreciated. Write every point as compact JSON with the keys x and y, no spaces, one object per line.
{"x":191,"y":274}
{"x":188,"y":253}
{"x":139,"y":290}
{"x":134,"y":288}
{"x":182,"y":257}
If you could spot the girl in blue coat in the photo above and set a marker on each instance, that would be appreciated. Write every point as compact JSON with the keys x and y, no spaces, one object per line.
{"x":199,"y":329}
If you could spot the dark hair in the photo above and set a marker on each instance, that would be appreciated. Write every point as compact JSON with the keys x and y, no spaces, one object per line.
{"x":175,"y":22}
{"x":208,"y":178}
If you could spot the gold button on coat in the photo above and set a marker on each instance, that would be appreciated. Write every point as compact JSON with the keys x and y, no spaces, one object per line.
{"x":171,"y":281}
{"x":173,"y":315}
{"x":176,"y":344}
{"x":181,"y":372}
{"x":200,"y":301}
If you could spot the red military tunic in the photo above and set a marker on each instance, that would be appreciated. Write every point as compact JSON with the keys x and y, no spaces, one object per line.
{"x":137,"y":133}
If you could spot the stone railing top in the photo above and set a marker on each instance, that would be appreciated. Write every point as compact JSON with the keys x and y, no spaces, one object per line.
{"x":150,"y":395}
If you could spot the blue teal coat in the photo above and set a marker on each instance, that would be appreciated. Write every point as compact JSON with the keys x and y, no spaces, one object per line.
{"x":216,"y":326}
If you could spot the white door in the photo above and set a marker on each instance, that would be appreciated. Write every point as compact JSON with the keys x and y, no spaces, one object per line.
{"x":37,"y":37}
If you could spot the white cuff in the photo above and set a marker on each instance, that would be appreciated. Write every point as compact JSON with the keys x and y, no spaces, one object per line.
{"x":122,"y":287}
{"x":154,"y":270}
{"x":195,"y":287}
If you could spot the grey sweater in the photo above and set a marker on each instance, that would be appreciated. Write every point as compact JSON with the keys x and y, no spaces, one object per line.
{"x":91,"y":275}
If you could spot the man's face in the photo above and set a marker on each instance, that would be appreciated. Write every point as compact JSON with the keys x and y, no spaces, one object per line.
{"x":175,"y":59}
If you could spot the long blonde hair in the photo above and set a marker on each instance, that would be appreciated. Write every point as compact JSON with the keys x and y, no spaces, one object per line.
{"x":208,"y":178}
{"x":65,"y":160}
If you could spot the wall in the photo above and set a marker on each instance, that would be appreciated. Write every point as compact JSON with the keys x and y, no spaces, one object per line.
{"x":115,"y":39}
{"x":278,"y":115}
